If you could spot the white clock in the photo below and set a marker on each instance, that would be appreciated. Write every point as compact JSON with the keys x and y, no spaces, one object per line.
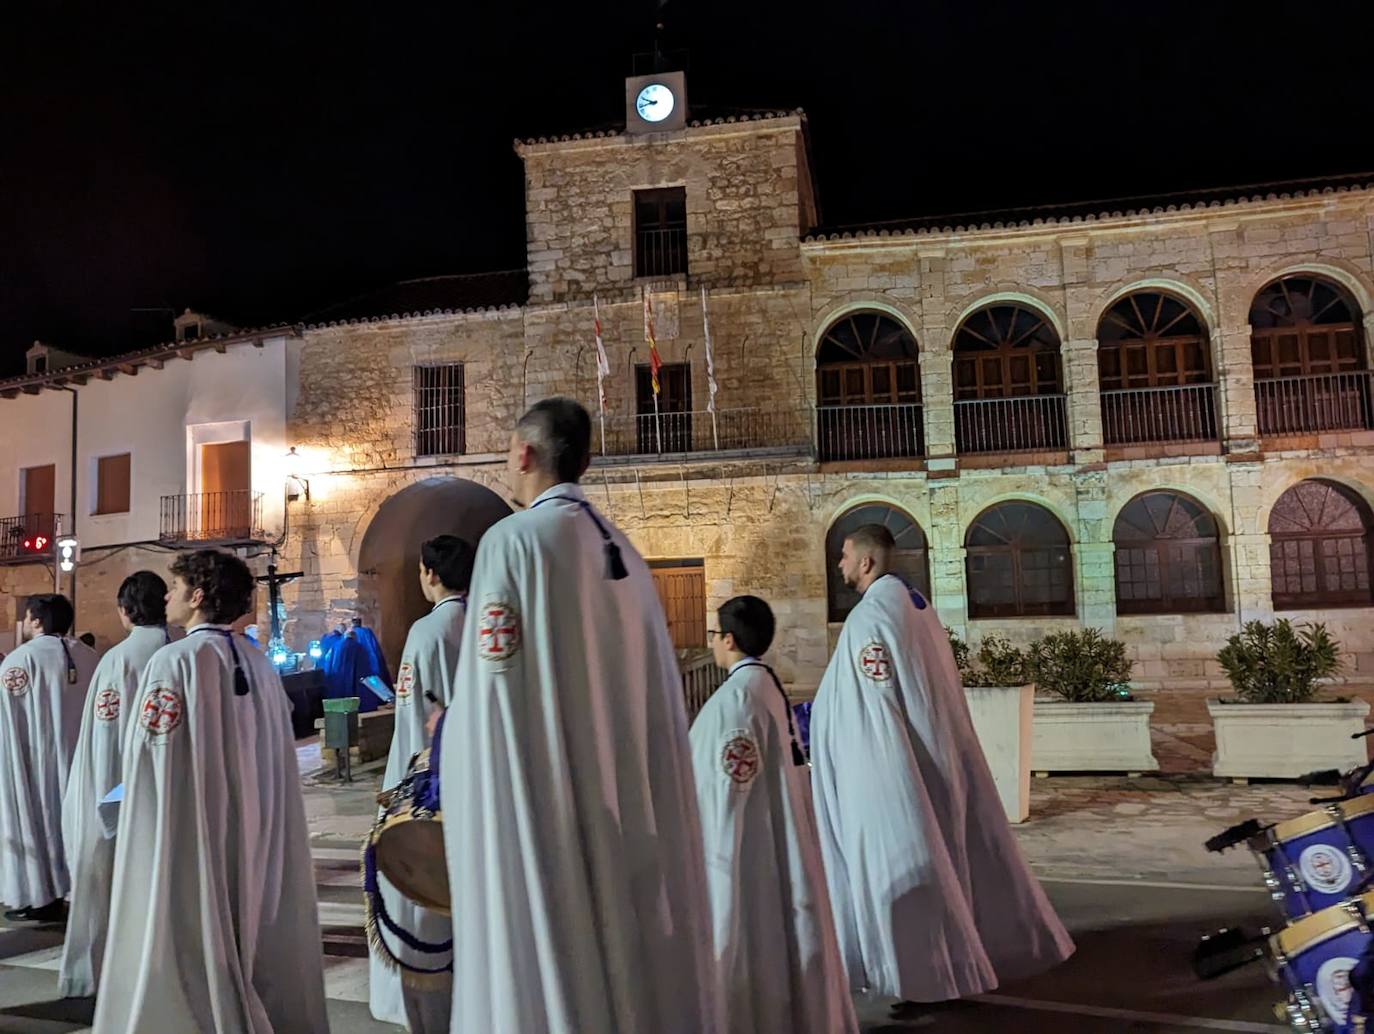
{"x":655,"y":102}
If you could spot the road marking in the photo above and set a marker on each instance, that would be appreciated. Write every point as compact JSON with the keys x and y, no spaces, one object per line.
{"x":1160,"y":884}
{"x":1200,"y":1022}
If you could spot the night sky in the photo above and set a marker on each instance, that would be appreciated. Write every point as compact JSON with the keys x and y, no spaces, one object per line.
{"x":261,"y":162}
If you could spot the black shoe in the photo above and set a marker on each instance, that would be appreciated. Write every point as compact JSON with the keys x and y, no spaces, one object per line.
{"x":52,"y":912}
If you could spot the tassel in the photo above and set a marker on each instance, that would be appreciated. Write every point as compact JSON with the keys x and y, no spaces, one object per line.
{"x":615,"y":567}
{"x":240,"y":682}
{"x":798,"y":758}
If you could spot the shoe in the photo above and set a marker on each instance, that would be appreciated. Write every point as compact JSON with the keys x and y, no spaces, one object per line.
{"x":52,"y":912}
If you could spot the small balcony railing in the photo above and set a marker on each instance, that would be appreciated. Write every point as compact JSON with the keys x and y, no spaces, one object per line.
{"x":206,"y":517}
{"x":677,"y":434}
{"x":29,"y":535}
{"x":1183,"y":413}
{"x":877,"y":432}
{"x":661,"y":252}
{"x":700,"y":678}
{"x":1314,"y":403}
{"x":1025,"y":423}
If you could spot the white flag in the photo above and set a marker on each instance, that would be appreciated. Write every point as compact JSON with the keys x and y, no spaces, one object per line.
{"x":603,"y":367}
{"x":710,"y":359}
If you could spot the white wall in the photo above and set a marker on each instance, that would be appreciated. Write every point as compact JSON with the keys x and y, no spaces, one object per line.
{"x":151,"y":416}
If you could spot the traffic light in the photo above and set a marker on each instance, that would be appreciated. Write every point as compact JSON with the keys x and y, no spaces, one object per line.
{"x":68,"y":553}
{"x":37,"y":544}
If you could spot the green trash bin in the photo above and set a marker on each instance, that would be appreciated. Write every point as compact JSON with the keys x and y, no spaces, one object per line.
{"x":341,"y":732}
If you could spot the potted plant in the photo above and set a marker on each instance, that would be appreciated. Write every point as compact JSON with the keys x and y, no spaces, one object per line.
{"x":1275,"y":726}
{"x":1000,"y":700}
{"x":1085,"y":717}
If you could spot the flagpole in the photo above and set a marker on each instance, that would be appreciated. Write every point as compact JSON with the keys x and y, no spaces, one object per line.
{"x":658,"y":428}
{"x":710,"y":370}
{"x":600,"y":373}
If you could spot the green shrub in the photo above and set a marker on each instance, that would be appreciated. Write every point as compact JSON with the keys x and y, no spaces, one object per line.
{"x":1279,"y":664}
{"x":1001,"y":664}
{"x":1080,"y":667}
{"x":960,"y":650}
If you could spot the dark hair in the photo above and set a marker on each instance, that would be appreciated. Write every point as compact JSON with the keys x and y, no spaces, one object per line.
{"x":223,"y":578}
{"x":450,"y":558}
{"x":143,"y":598}
{"x":52,"y":611}
{"x":560,"y":432}
{"x":873,"y":537}
{"x":750,"y":620}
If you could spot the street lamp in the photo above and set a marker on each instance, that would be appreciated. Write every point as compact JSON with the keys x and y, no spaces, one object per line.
{"x":296,"y":486}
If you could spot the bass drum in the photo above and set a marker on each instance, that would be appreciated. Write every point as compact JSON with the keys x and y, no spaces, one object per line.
{"x":409,"y":837}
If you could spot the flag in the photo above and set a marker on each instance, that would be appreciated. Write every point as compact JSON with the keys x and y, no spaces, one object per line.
{"x":655,"y":363}
{"x":710,"y":359}
{"x":603,"y":367}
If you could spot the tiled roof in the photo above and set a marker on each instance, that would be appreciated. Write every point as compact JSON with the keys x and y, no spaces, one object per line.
{"x":700,"y":117}
{"x":1092,"y":211}
{"x":428,"y":296}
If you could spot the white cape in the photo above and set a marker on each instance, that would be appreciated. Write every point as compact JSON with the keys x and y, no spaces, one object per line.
{"x":96,"y":770}
{"x":932,"y":897}
{"x":40,"y":720}
{"x":428,"y":664}
{"x":779,"y":963}
{"x":570,"y":820}
{"x":213,"y":922}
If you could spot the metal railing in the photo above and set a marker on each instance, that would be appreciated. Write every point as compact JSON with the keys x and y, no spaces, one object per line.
{"x":700,"y":678}
{"x":1314,"y":403}
{"x":1182,"y":413}
{"x":1025,"y":423}
{"x":869,"y":432}
{"x":28,"y":535}
{"x":661,"y":252}
{"x":647,"y":434}
{"x":212,"y":517}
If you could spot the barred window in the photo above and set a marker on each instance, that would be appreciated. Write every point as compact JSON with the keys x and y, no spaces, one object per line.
{"x":1018,"y":563}
{"x":440,"y":428}
{"x":1319,"y":547}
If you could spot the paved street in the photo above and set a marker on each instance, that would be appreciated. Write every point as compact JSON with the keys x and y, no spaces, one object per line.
{"x":1122,"y":860}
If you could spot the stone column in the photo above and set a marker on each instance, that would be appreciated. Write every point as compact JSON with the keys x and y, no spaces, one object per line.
{"x":1251,"y":579}
{"x":1369,"y":339}
{"x":946,"y":541}
{"x":1236,"y":389}
{"x":1085,"y":399}
{"x":937,"y":401}
{"x":1094,"y":554}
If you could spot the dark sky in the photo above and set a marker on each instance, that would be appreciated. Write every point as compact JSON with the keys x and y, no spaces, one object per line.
{"x":260,"y":162}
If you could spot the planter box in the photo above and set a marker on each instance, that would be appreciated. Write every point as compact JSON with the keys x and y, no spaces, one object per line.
{"x":1284,"y":741}
{"x":1110,"y":736}
{"x":1002,"y":721}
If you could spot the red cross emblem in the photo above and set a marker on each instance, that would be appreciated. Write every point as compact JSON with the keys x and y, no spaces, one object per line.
{"x":405,"y":682}
{"x":107,"y":705}
{"x":875,"y":662}
{"x":498,"y":631}
{"x":16,"y":680}
{"x":161,"y":711}
{"x":740,"y":758}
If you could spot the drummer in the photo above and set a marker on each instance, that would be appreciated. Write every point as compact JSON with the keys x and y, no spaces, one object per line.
{"x":424,"y":684}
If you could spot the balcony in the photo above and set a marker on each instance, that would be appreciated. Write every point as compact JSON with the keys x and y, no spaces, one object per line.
{"x":700,"y":678}
{"x":876,"y":432}
{"x":1025,"y":423}
{"x":682,"y":434}
{"x":661,"y":252}
{"x":27,"y":537}
{"x":212,"y":518}
{"x":1314,"y":404}
{"x":1185,"y":413}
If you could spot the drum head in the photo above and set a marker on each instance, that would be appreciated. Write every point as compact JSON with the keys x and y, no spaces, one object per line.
{"x":410,"y":853}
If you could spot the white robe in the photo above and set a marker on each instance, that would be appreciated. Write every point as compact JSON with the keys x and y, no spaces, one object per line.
{"x":778,"y":961}
{"x":570,"y":820}
{"x":213,"y":922}
{"x":932,"y":897}
{"x":428,"y":664}
{"x":40,"y":721}
{"x":96,"y":770}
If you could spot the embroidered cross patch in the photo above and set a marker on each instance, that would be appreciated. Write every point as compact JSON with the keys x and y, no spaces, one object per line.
{"x":405,"y":682}
{"x":107,"y":705}
{"x":161,"y":711}
{"x":16,"y":680}
{"x":498,"y":631}
{"x":875,"y":662}
{"x":740,"y":758}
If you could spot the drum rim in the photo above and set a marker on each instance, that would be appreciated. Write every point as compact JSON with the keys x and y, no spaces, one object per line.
{"x":393,"y":822}
{"x":1309,"y":931}
{"x":1304,"y":825}
{"x":1357,"y":806}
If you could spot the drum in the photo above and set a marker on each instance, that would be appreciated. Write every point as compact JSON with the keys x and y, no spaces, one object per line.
{"x":1313,"y":958}
{"x":408,"y":838}
{"x":1319,"y":859}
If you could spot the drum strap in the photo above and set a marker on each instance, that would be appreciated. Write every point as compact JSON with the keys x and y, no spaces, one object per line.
{"x":377,"y":913}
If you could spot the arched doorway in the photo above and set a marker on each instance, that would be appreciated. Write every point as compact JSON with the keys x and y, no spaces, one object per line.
{"x":389,"y":597}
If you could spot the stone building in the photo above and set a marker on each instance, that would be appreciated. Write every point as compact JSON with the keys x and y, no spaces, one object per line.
{"x":1152,"y":418}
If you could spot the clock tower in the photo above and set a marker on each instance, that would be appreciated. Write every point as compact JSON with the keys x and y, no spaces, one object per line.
{"x":655,"y":103}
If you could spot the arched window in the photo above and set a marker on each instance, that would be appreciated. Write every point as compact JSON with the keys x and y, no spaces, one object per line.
{"x":1319,"y":547}
{"x":1168,"y":556}
{"x":868,"y":389}
{"x":910,"y":562}
{"x":1008,"y":387}
{"x":1155,"y":371}
{"x":1018,"y":563}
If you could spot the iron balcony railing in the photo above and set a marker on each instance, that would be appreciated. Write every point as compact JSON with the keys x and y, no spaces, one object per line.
{"x":661,"y":251}
{"x":875,"y":432}
{"x":28,"y":535}
{"x":1314,"y":403}
{"x":700,"y":678}
{"x":1025,"y":423}
{"x":234,"y":516}
{"x":1183,"y":413}
{"x":676,"y":434}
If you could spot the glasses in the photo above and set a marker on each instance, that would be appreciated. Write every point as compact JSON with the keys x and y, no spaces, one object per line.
{"x":711,"y":633}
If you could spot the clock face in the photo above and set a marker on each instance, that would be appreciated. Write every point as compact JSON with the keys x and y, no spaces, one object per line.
{"x":654,"y":103}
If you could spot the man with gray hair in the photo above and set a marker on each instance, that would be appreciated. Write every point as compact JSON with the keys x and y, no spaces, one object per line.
{"x":932,"y":898}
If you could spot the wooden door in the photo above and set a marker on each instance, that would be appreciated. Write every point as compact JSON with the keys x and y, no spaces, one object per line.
{"x":225,"y":503}
{"x":681,"y":587}
{"x":40,"y":500}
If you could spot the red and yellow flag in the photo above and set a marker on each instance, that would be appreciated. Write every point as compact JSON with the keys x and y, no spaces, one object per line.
{"x":655,"y":363}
